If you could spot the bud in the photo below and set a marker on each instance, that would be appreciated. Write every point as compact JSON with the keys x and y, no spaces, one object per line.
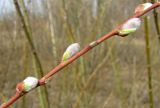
{"x":71,"y":51}
{"x":20,"y":87}
{"x":28,"y":84}
{"x":130,"y":26}
{"x":142,"y":7}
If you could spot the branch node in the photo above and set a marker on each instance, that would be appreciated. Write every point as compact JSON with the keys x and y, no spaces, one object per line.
{"x":93,"y":44}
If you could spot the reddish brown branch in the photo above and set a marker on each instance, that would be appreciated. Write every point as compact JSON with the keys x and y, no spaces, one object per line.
{"x":43,"y":80}
{"x":82,"y":52}
{"x":13,"y":99}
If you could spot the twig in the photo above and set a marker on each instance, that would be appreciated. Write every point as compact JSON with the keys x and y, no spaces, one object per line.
{"x":148,"y":58}
{"x":44,"y":79}
{"x":156,"y":21}
{"x":148,"y":55}
{"x":23,"y":15}
{"x":52,"y":29}
{"x":90,"y":46}
{"x":67,"y":24}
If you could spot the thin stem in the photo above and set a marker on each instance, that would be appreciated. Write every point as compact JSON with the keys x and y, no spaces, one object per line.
{"x":148,"y":55}
{"x":148,"y":58}
{"x":52,"y":31}
{"x":43,"y":80}
{"x":43,"y":95}
{"x":156,"y":21}
{"x":67,"y":24}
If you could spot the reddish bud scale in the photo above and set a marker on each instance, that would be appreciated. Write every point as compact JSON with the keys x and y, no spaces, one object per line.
{"x":20,"y":87}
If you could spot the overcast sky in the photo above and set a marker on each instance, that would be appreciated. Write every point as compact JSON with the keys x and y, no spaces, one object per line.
{"x":7,"y":6}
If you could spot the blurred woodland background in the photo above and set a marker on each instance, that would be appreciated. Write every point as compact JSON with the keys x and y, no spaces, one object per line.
{"x":112,"y":75}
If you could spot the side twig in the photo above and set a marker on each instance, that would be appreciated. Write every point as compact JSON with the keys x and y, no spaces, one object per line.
{"x":44,"y":79}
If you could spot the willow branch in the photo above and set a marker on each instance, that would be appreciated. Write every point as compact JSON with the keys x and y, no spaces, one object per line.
{"x":93,"y":44}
